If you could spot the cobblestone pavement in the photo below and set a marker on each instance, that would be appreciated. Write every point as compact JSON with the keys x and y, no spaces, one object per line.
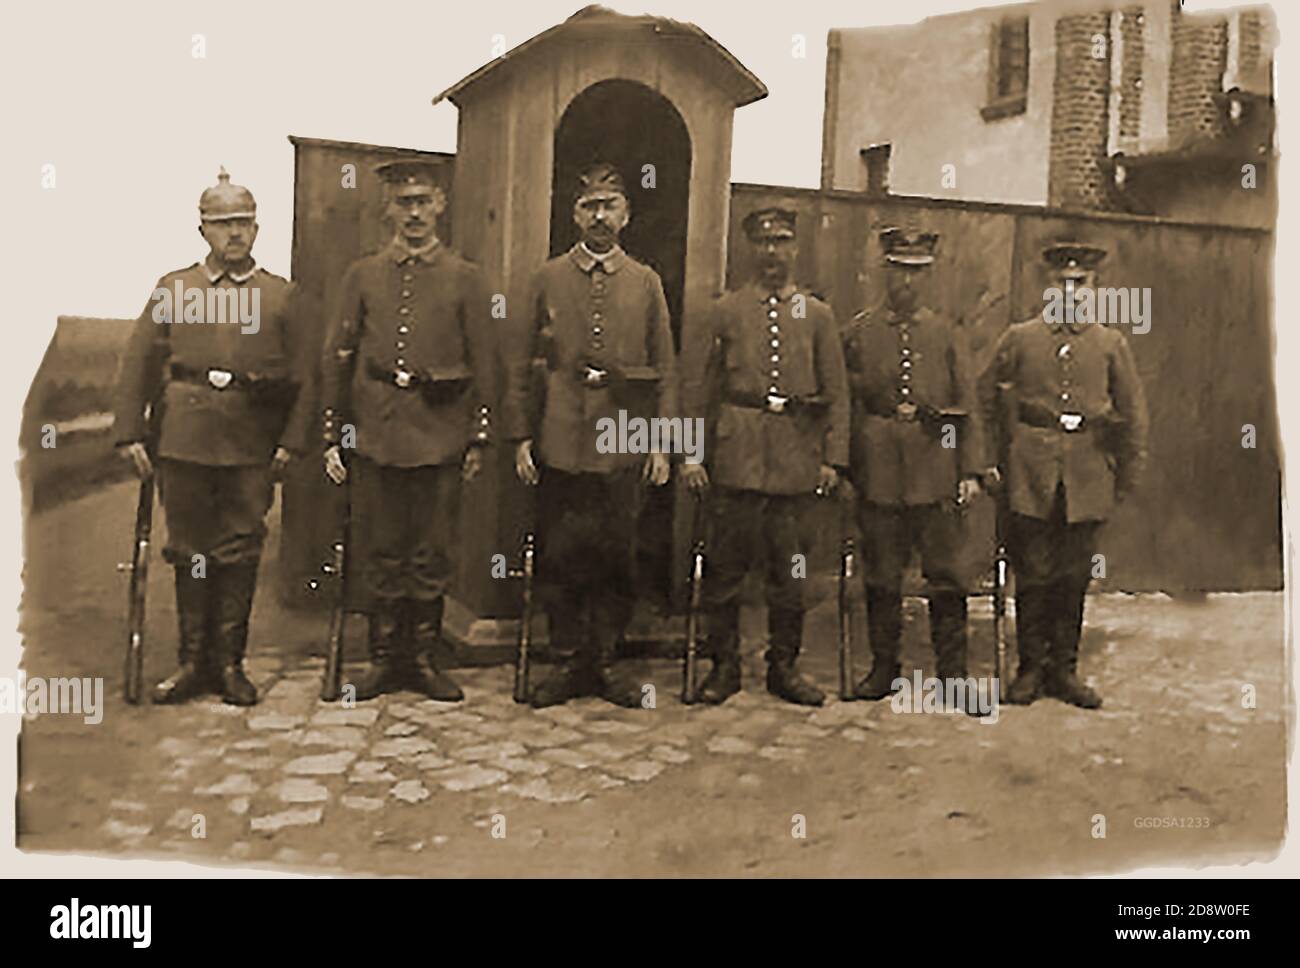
{"x":402,"y":785}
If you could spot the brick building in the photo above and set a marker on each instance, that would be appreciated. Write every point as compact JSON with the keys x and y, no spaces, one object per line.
{"x":1139,"y":108}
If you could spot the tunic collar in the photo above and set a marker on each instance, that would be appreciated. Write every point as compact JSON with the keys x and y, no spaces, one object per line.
{"x":400,"y":252}
{"x":784,"y":294}
{"x":883,"y":310}
{"x":586,"y":260}
{"x":214,"y":272}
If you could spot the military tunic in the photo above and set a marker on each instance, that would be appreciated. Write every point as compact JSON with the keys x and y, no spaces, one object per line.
{"x":218,"y":354}
{"x":604,"y":315}
{"x":413,"y":330}
{"x":1063,"y":483}
{"x":916,"y":432}
{"x":764,"y":464}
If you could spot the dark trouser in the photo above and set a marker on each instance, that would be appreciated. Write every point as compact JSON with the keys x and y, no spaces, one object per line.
{"x":586,"y":555}
{"x":891,"y":532}
{"x":749,"y":526}
{"x":1053,"y":563}
{"x":217,"y":513}
{"x":404,"y":520}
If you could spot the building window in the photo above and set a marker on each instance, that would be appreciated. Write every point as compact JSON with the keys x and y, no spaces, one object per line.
{"x":1008,"y":68}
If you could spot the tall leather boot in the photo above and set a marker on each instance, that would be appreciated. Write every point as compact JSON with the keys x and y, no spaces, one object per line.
{"x":724,"y":646}
{"x":785,"y":637}
{"x":948,"y":637}
{"x":948,"y":634}
{"x":885,"y":627}
{"x":426,"y":633}
{"x":1032,"y":638}
{"x":235,"y":585}
{"x":194,"y":677}
{"x":1063,"y":682}
{"x":571,"y":675}
{"x":383,"y":674}
{"x":609,"y":618}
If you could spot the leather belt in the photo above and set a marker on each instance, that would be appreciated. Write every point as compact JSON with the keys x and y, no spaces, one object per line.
{"x":398,"y":376}
{"x":904,"y":412}
{"x":1069,"y":422}
{"x":778,"y":403}
{"x":219,"y":378}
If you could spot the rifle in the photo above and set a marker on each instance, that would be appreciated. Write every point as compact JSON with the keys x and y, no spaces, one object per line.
{"x":523,"y":656}
{"x":332,"y":682}
{"x":848,"y":574}
{"x":332,"y":679}
{"x":696,"y":579}
{"x":138,"y":566}
{"x":135,"y":609}
{"x":1007,"y":406}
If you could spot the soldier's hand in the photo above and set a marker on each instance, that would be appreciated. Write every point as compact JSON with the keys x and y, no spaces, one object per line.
{"x":335,"y":470}
{"x":136,"y":453}
{"x":827,"y":479}
{"x":524,"y":466}
{"x":968,"y":489}
{"x":472,"y":465}
{"x":280,"y":462}
{"x":656,"y":470}
{"x":696,"y":477}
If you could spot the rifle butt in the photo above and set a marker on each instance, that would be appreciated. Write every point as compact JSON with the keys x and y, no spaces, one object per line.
{"x":331,"y":686}
{"x":848,"y":569}
{"x":690,"y":661}
{"x":133,"y":677}
{"x":523,"y":652}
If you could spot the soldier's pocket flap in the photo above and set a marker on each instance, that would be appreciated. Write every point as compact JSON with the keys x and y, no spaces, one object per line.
{"x":448,"y":375}
{"x":641,"y":374}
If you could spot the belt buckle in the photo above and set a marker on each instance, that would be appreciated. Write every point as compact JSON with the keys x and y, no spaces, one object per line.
{"x":776,"y":403}
{"x":219,"y":379}
{"x":402,"y":378}
{"x":1071,"y":422}
{"x":593,"y":376}
{"x":906,"y":411}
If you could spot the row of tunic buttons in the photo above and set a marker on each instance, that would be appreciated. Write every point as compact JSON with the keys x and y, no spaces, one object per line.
{"x":597,"y":303}
{"x":482,"y":423}
{"x":403,"y":310}
{"x":904,"y":335}
{"x":1063,"y":354}
{"x":775,"y":330}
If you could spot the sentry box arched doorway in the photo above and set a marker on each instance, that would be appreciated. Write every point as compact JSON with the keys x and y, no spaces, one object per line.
{"x":636,"y":91}
{"x":638,"y":131}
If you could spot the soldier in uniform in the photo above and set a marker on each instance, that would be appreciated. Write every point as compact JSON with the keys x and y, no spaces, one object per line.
{"x":774,"y":365}
{"x":1072,"y":420}
{"x":598,"y":341}
{"x":215,"y":354}
{"x":917,"y":457}
{"x":408,"y":368}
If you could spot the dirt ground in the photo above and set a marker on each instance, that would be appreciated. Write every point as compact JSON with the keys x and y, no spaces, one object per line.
{"x":405,"y":786}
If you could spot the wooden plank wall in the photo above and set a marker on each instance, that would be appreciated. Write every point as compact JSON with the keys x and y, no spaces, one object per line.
{"x":1209,"y":514}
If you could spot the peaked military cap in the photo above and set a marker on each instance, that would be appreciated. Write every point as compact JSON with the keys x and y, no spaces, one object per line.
{"x":408,"y":171}
{"x":599,"y":177}
{"x":224,"y":201}
{"x":1070,"y":256}
{"x":908,"y":248}
{"x":770,"y":223}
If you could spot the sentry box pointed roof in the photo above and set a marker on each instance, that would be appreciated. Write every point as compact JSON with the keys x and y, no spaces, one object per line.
{"x":593,"y":22}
